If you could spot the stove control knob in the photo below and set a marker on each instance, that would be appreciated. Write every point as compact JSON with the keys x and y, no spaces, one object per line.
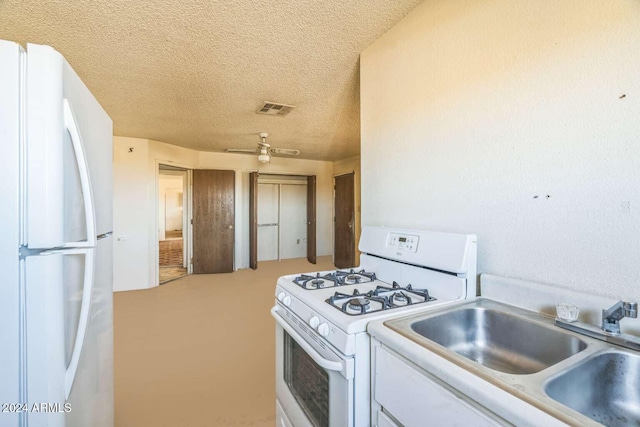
{"x":281,"y":296}
{"x":286,"y":300}
{"x":323,"y":329}
{"x":314,"y":322}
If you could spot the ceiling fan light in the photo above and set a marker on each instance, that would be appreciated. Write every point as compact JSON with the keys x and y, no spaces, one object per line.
{"x":263,"y":158}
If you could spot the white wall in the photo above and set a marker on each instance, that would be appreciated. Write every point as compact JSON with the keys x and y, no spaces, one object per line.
{"x":131,"y":207}
{"x":136,"y":193}
{"x":517,"y":121}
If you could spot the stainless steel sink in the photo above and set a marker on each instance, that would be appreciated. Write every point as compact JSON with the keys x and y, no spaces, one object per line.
{"x":499,"y":340}
{"x":604,"y":387}
{"x":576,"y":379}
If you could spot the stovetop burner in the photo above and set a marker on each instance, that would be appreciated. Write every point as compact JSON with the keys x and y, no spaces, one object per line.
{"x":352,"y":277}
{"x":360,"y":305}
{"x":314,"y":282}
{"x":336,"y":278}
{"x":381,"y":298}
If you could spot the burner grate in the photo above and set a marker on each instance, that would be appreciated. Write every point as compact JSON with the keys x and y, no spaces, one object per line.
{"x":336,"y":278}
{"x":353,"y":277}
{"x":381,"y":298}
{"x":315,"y":282}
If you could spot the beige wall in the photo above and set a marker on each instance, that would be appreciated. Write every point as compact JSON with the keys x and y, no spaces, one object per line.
{"x":341,"y":167}
{"x":518,"y":121}
{"x":136,"y":193}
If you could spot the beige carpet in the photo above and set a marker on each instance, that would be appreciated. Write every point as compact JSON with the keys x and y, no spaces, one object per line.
{"x":199,"y":351}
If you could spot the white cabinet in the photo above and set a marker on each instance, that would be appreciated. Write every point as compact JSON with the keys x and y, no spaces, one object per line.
{"x":281,"y":417}
{"x":385,"y":421}
{"x":413,"y":397}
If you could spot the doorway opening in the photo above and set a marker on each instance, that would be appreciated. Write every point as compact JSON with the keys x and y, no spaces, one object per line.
{"x":173,"y":220}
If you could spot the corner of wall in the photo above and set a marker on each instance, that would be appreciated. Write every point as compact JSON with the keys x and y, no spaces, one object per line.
{"x":130,"y":206}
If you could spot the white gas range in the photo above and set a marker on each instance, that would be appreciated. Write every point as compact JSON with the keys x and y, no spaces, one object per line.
{"x":322,"y":348}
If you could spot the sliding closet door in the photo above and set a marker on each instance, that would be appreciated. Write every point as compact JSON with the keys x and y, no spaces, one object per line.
{"x":268,"y":222}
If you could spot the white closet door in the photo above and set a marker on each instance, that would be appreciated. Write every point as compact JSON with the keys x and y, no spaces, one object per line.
{"x":293,"y":221}
{"x":268,"y":223}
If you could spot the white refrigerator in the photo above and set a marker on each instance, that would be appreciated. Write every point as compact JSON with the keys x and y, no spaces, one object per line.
{"x":56,"y":299}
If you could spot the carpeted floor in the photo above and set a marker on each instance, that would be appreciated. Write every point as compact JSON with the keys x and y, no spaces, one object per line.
{"x":171,"y":262}
{"x":170,"y":252}
{"x":199,"y":351}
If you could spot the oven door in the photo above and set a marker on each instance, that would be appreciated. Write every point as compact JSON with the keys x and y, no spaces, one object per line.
{"x":314,"y":383}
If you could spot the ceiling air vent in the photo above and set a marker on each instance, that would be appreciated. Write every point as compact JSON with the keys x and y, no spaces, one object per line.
{"x":275,"y":109}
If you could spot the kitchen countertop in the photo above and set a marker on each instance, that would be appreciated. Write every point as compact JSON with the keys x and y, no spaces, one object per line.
{"x":511,"y":397}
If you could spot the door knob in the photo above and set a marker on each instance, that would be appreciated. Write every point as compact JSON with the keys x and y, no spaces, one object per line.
{"x":230,"y":227}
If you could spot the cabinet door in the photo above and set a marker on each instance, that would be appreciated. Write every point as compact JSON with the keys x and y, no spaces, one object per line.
{"x":385,"y":421}
{"x":415,"y":399}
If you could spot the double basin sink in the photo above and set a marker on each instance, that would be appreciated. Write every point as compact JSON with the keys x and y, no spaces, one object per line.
{"x":512,"y":347}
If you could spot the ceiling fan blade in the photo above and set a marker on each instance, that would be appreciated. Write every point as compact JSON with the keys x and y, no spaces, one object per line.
{"x":287,"y":151}
{"x":242,"y":150}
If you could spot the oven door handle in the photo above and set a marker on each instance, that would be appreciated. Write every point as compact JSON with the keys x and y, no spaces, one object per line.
{"x":317,"y":357}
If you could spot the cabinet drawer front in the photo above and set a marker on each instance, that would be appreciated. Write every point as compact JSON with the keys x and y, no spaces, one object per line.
{"x":415,"y":399}
{"x":385,"y":421}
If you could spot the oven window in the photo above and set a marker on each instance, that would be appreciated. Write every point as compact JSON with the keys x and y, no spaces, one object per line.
{"x":308,"y":382}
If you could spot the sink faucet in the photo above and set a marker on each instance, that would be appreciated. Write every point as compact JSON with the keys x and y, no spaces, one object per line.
{"x":610,"y":330}
{"x":611,"y":317}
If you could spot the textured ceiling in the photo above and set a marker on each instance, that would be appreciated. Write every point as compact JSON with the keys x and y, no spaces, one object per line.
{"x":193,"y":72}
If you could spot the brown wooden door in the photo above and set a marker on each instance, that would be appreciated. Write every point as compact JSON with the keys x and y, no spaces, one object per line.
{"x":311,"y":219}
{"x":253,"y":220}
{"x":213,"y":221}
{"x":344,"y":225}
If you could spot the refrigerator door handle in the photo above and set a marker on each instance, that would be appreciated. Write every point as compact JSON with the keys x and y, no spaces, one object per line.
{"x":90,"y":217}
{"x":87,"y":291}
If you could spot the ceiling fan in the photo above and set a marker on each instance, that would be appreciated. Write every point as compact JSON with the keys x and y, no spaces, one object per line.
{"x":264,"y":150}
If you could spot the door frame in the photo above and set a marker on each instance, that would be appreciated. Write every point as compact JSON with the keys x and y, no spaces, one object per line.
{"x":253,"y":215}
{"x":154,"y":272}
